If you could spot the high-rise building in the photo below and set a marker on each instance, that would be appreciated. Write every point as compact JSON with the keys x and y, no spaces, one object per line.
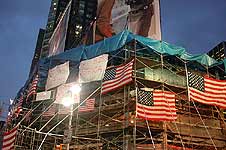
{"x":81,"y":15}
{"x":56,"y":10}
{"x":38,"y":49}
{"x":147,"y":99}
{"x":218,"y":52}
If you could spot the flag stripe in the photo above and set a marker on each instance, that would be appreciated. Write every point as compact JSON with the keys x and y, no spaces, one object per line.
{"x":214,"y":92}
{"x":123,"y":76}
{"x":157,"y":118}
{"x":163,"y":108}
{"x":208,"y":96}
{"x":51,"y":111}
{"x":9,"y":139}
{"x":89,"y":106}
{"x":33,"y":87}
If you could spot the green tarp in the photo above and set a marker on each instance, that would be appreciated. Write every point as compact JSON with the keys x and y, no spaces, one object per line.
{"x":118,"y":41}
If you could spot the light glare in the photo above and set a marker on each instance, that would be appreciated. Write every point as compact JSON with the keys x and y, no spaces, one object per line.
{"x":75,"y":89}
{"x":67,"y":101}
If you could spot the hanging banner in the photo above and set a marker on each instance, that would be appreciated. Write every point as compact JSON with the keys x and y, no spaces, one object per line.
{"x":111,"y":18}
{"x":57,"y":41}
{"x":64,"y":92}
{"x":142,"y":17}
{"x":119,"y":16}
{"x":46,"y":95}
{"x":57,"y":76}
{"x":93,"y":69}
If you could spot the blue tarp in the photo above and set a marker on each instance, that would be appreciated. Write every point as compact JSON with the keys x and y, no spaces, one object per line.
{"x":118,"y":41}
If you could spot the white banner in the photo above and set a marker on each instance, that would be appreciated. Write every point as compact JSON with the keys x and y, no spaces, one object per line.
{"x":93,"y":69}
{"x":44,"y":95}
{"x":64,"y":91}
{"x":57,"y":76}
{"x":57,"y":41}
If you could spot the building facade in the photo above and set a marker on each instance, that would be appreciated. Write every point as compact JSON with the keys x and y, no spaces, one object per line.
{"x":81,"y":15}
{"x":218,"y":52}
{"x":38,"y":49}
{"x":56,"y":10}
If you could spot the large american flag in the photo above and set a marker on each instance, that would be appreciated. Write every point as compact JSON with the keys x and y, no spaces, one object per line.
{"x":9,"y":139}
{"x":33,"y":87}
{"x":89,"y":106}
{"x":156,"y":105}
{"x":117,"y":77}
{"x":207,"y":90}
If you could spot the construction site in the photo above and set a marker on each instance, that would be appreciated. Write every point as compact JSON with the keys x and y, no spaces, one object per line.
{"x":113,"y":124}
{"x":115,"y":120}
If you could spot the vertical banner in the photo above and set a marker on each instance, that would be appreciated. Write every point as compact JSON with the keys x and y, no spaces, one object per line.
{"x":57,"y":41}
{"x":111,"y":18}
{"x":57,"y":75}
{"x":142,"y":17}
{"x":119,"y":16}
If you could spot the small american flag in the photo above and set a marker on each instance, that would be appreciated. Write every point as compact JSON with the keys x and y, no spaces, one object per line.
{"x":117,"y":77}
{"x":19,"y":107}
{"x":156,"y":105}
{"x":33,"y":87}
{"x":89,"y":106}
{"x":9,"y":139}
{"x":207,"y":90}
{"x":51,"y":111}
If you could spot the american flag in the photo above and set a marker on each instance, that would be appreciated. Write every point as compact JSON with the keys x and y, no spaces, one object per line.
{"x":156,"y":105}
{"x":117,"y":77}
{"x":51,"y":111}
{"x":207,"y":90}
{"x":33,"y":87}
{"x":89,"y":106}
{"x":9,"y":139}
{"x":19,"y":107}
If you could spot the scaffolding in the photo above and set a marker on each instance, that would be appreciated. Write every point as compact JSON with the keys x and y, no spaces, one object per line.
{"x":113,"y":124}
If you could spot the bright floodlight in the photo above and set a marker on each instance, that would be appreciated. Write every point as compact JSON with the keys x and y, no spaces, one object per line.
{"x":67,"y":101}
{"x":75,"y":89}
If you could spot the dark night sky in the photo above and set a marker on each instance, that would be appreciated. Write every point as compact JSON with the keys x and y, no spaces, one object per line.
{"x":197,"y":25}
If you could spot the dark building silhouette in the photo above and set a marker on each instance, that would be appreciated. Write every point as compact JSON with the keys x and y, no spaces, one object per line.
{"x":82,"y":14}
{"x":38,"y":49}
{"x":218,"y":52}
{"x":56,"y":10}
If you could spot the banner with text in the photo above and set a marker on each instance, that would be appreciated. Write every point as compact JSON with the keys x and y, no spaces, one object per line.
{"x":93,"y":69}
{"x":46,"y":95}
{"x":57,"y":76}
